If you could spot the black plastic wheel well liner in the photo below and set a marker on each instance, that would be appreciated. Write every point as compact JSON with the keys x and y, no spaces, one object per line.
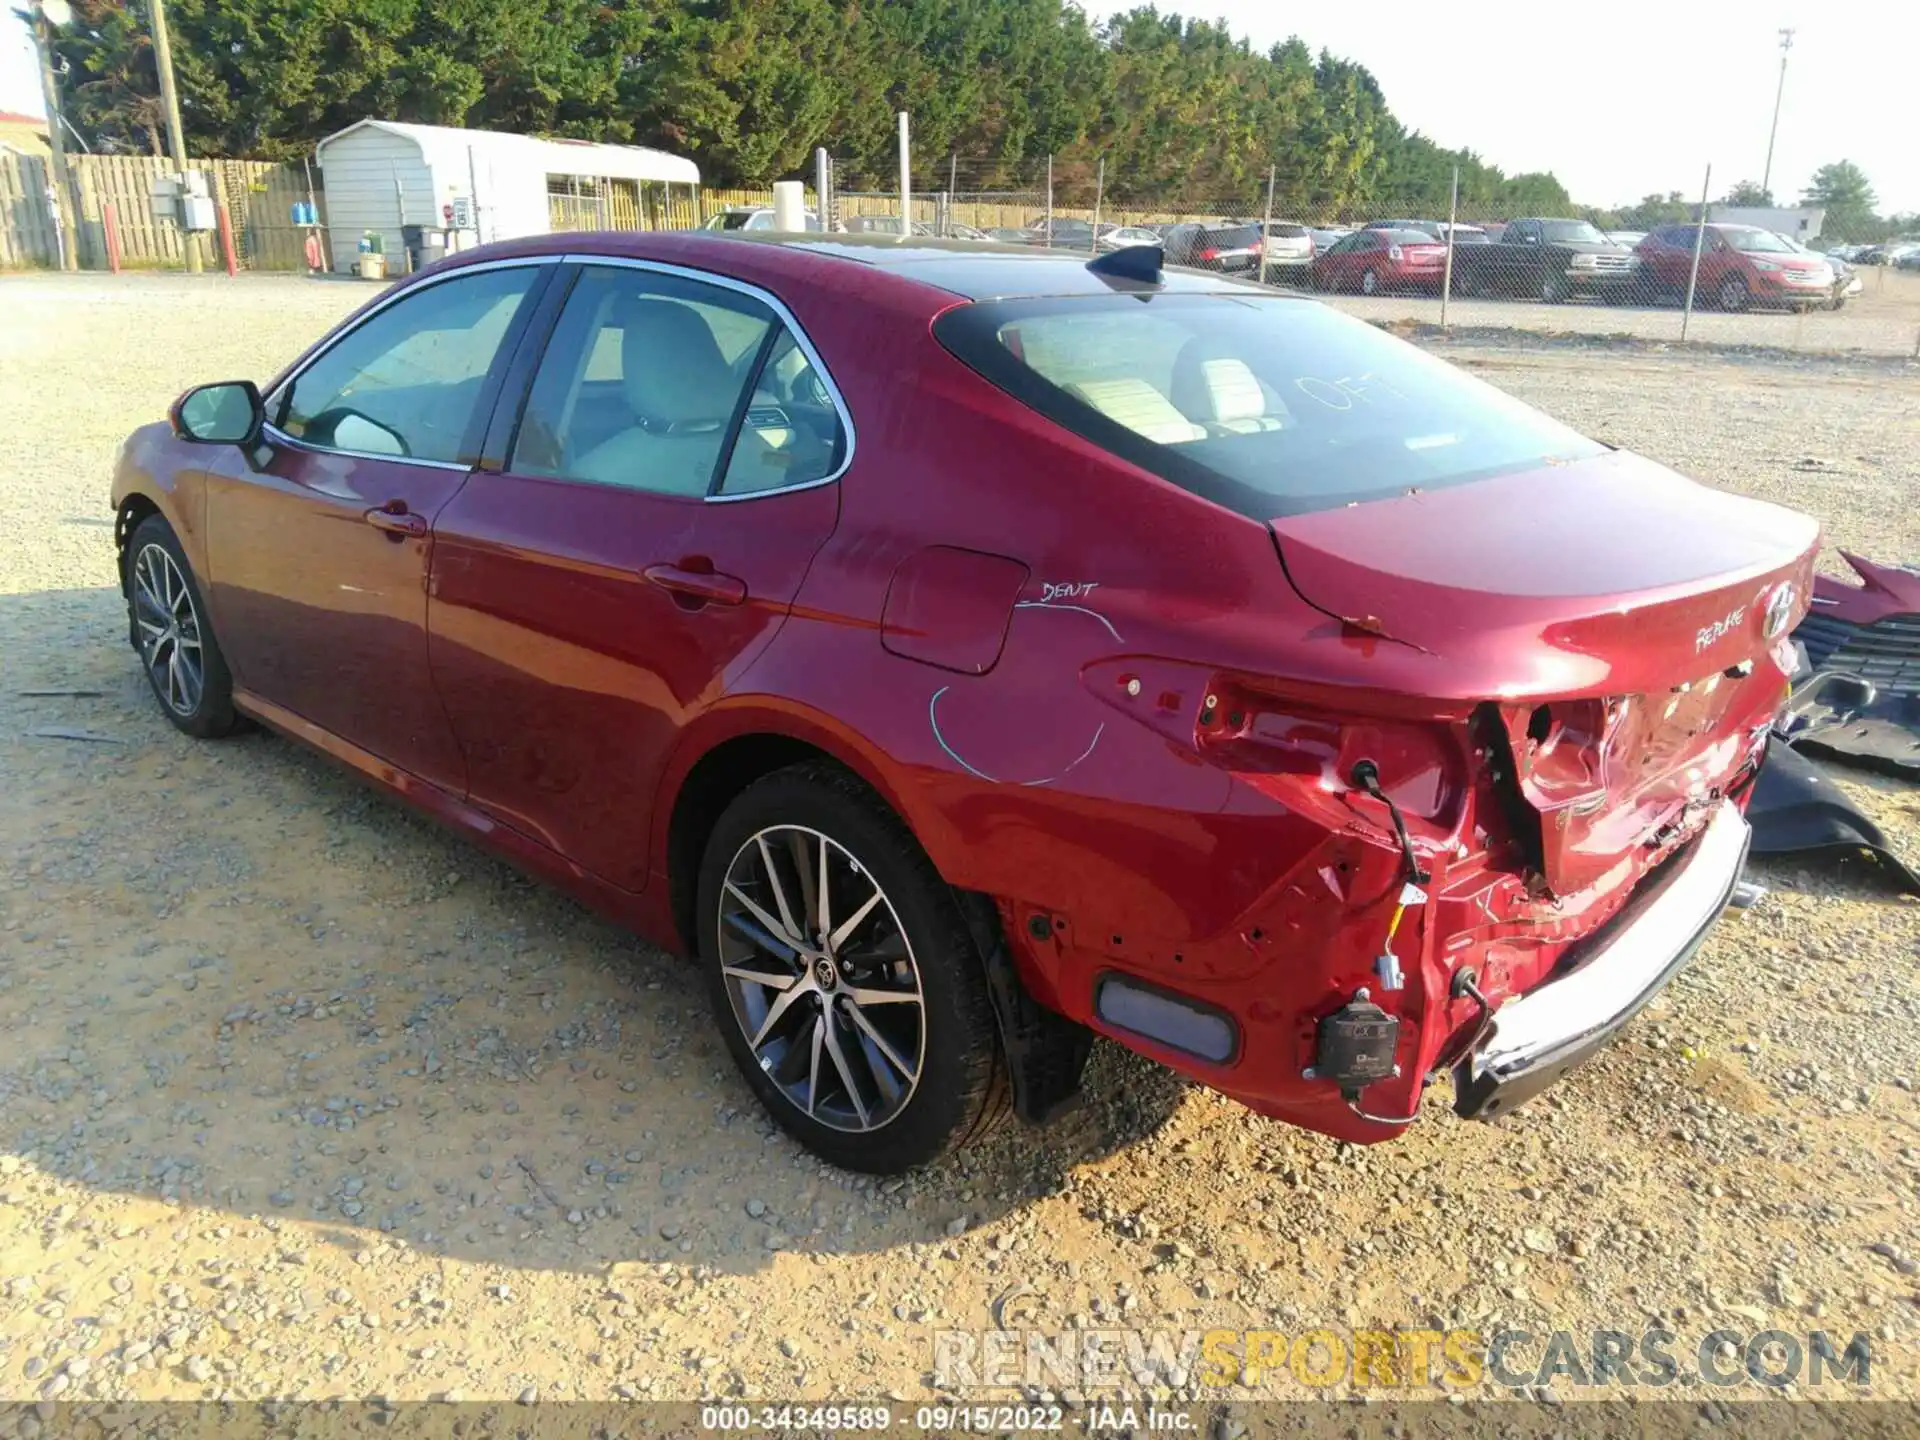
{"x":720,"y":775}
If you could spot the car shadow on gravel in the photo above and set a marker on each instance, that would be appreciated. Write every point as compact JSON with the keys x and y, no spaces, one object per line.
{"x":230,"y":975}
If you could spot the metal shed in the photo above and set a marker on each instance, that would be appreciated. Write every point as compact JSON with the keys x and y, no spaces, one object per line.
{"x":383,"y":174}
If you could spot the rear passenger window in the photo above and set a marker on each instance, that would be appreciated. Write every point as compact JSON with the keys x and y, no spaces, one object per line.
{"x":791,"y":433}
{"x":659,"y":383}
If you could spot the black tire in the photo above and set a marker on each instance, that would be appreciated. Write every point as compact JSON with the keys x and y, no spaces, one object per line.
{"x":210,"y":714}
{"x":1838,"y":302}
{"x":1555,"y":289}
{"x":1372,"y":284}
{"x":962,"y":1089}
{"x":1733,"y":294}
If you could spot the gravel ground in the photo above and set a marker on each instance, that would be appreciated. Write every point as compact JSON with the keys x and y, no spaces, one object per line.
{"x":300,"y":1097}
{"x":1884,"y":320}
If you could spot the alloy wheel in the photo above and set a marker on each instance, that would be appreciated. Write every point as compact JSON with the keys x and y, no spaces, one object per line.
{"x":822,"y":978}
{"x":169,"y":630}
{"x":1370,"y":282}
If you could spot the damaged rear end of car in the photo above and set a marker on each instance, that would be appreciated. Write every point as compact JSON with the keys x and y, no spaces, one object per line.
{"x":1502,"y":688}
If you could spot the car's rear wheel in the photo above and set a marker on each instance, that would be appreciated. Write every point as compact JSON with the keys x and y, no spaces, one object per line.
{"x":167,"y":618}
{"x":1554,"y":289}
{"x":848,"y":986}
{"x":1733,"y":293}
{"x":1370,"y":283}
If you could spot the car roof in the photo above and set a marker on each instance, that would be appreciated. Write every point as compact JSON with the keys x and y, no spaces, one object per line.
{"x":970,"y":269}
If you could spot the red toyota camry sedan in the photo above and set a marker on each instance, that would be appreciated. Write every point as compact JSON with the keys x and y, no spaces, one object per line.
{"x":964,"y":651}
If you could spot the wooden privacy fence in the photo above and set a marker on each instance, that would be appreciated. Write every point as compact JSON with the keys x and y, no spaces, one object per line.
{"x":27,"y":234}
{"x":257,"y":195}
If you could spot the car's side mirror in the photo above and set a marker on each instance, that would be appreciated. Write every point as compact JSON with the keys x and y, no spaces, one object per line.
{"x":229,"y":413}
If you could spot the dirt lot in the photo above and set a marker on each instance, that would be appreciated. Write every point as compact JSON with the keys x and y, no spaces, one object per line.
{"x":300,"y":1097}
{"x":1884,"y":320}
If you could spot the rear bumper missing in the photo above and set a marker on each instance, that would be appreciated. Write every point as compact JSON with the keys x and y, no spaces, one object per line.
{"x":1534,"y":1040}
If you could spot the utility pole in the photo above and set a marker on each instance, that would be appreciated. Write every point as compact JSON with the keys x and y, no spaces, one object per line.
{"x":170,"y":99}
{"x":1786,"y":44}
{"x":906,"y":180}
{"x":1266,"y":225}
{"x":42,"y":19}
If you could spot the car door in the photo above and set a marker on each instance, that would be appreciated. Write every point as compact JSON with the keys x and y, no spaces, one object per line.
{"x":319,"y":544}
{"x":1673,"y":260}
{"x":630,"y":544}
{"x":1517,"y":264}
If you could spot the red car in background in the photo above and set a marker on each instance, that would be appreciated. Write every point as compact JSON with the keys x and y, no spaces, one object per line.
{"x":1371,"y":261}
{"x":1740,"y":265}
{"x":963,"y":651}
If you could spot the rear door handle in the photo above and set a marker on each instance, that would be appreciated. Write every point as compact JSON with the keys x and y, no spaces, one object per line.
{"x":699,"y":586}
{"x":397,"y":522}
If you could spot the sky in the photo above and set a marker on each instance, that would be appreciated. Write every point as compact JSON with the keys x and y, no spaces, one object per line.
{"x":1622,"y":101}
{"x":1619,"y":101}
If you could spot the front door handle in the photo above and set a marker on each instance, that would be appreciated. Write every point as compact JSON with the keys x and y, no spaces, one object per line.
{"x":397,"y":522}
{"x":694,"y":588}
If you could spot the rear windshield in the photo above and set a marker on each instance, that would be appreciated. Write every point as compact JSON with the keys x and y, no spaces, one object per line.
{"x":1282,"y":231}
{"x":1406,"y":237}
{"x":1233,"y":236}
{"x":1268,"y":406}
{"x":1571,"y":232}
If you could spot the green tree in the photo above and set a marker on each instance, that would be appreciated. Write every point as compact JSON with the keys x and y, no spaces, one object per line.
{"x":1654,"y":210}
{"x":1749,"y":194}
{"x":1182,"y":112}
{"x":1843,"y":189}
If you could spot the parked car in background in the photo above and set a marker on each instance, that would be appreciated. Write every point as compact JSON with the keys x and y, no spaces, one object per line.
{"x":758,"y":217}
{"x":1547,"y":259}
{"x":1007,"y":235}
{"x":1846,"y":281}
{"x":1228,"y":245}
{"x":1288,"y":246}
{"x":1907,"y":258}
{"x":1430,"y":227}
{"x":1372,"y":261}
{"x":890,"y":225}
{"x":1325,"y":238}
{"x":1463,"y":234}
{"x":1064,"y":231}
{"x":1328,"y":719}
{"x":1124,"y":235}
{"x":881,"y":225}
{"x":1740,"y":266}
{"x":1628,"y":238}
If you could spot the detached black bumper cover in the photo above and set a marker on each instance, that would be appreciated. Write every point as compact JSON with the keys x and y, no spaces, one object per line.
{"x":1534,"y":1040}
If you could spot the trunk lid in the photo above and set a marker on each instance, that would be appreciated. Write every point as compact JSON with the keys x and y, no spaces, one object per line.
{"x":1601,"y":613}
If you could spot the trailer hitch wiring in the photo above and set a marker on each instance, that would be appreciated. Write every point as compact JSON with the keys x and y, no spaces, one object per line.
{"x":1366,"y":776}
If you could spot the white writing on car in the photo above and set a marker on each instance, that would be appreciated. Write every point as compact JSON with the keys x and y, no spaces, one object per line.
{"x":1707,"y":634}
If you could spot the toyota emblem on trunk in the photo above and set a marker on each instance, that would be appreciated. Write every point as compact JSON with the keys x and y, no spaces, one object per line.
{"x":1779,"y":611}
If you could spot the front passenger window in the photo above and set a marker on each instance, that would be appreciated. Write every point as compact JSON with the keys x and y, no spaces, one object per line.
{"x":407,"y":381}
